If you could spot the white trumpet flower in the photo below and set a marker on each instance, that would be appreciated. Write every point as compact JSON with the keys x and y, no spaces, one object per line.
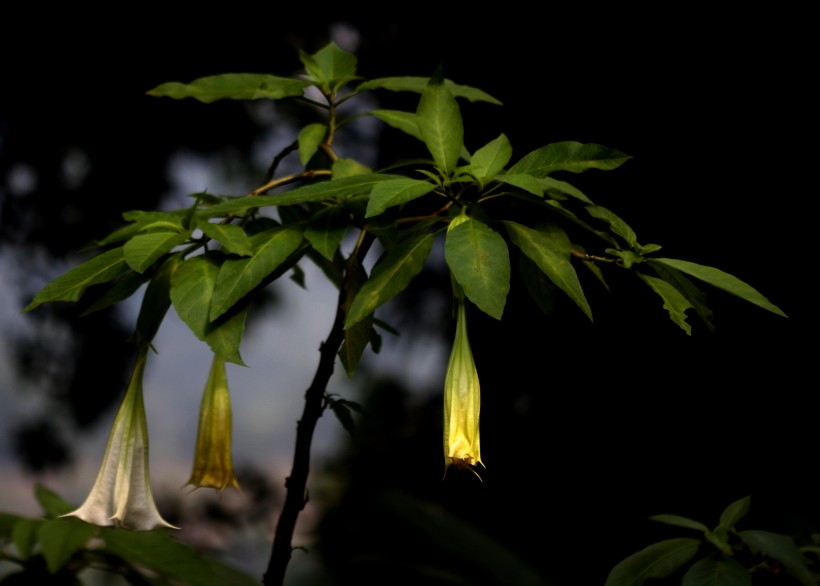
{"x":121,"y":495}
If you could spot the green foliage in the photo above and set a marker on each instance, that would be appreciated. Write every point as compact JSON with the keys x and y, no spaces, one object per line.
{"x":723,"y":556}
{"x":68,"y":546}
{"x":495,"y":214}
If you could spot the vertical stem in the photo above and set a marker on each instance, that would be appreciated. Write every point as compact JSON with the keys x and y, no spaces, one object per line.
{"x":296,"y":483}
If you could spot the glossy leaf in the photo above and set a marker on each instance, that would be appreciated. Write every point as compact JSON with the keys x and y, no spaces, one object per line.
{"x":322,"y":190}
{"x":224,"y":335}
{"x":407,"y":122}
{"x":679,"y":521}
{"x":781,"y":548}
{"x":616,"y":224}
{"x":722,"y":280}
{"x":658,"y":560}
{"x":480,"y":262}
{"x":356,"y":337}
{"x":440,"y":125}
{"x":688,"y":289}
{"x":555,"y":187}
{"x":673,"y":302}
{"x":232,"y":86}
{"x":343,"y":168}
{"x":571,"y":156}
{"x":491,"y":159}
{"x":156,"y":300}
{"x":310,"y":137}
{"x":121,"y":289}
{"x":192,"y":288}
{"x":143,"y":250}
{"x":53,"y":505}
{"x":732,"y":514}
{"x":390,"y":276}
{"x":71,"y":285}
{"x":330,"y":66}
{"x":178,"y":563}
{"x":392,"y":193}
{"x":60,"y":539}
{"x":528,"y":183}
{"x":723,"y":571}
{"x":237,"y":278}
{"x":232,"y":238}
{"x":24,"y":536}
{"x":550,"y":249}
{"x":326,"y":230}
{"x":417,"y":84}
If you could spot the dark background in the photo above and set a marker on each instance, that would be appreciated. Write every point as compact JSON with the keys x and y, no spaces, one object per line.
{"x":586,"y":429}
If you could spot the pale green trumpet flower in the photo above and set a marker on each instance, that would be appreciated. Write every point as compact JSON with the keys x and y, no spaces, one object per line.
{"x":121,"y":495}
{"x":462,"y":401}
{"x":213,"y":463}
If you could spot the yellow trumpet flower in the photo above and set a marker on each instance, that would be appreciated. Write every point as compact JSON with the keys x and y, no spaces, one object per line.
{"x":121,"y":495}
{"x":461,"y":401}
{"x":213,"y":464}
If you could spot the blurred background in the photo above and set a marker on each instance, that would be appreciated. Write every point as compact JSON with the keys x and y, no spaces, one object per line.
{"x":587,"y":428}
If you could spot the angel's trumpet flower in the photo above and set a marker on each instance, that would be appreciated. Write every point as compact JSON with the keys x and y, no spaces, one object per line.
{"x":213,"y":464}
{"x":121,"y":495}
{"x":461,"y":401}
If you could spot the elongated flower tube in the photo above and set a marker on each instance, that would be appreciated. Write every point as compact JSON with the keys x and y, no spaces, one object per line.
{"x":121,"y":495}
{"x":213,"y":464}
{"x":462,"y":401}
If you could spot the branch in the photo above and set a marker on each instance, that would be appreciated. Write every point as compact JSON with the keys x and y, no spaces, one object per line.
{"x":296,"y":483}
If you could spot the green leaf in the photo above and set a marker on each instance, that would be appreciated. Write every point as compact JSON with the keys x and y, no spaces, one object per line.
{"x":440,"y":125}
{"x":143,"y":250}
{"x":781,"y":548}
{"x":342,"y":168}
{"x":392,"y":193}
{"x":224,"y":335}
{"x":616,"y":224}
{"x":7,"y":523}
{"x":732,"y":514}
{"x":71,"y":285}
{"x":480,"y":262}
{"x":528,"y":183}
{"x":326,"y":230}
{"x":341,"y":409}
{"x":310,"y":137}
{"x":173,"y":221}
{"x":192,"y":287}
{"x":679,"y":521}
{"x":232,"y":86}
{"x":390,"y":276}
{"x":688,"y":289}
{"x":331,"y":67}
{"x":178,"y":563}
{"x":122,"y":289}
{"x":156,"y":301}
{"x":721,"y":280}
{"x":24,"y":536}
{"x":356,"y":337}
{"x":322,"y":190}
{"x":673,"y":302}
{"x":658,"y":560}
{"x":716,"y":572}
{"x":555,"y":187}
{"x":491,"y":159}
{"x":237,"y":278}
{"x":60,"y":539}
{"x":571,"y":156}
{"x":407,"y":122}
{"x":417,"y":85}
{"x":53,"y":504}
{"x":232,"y":238}
{"x":539,"y":286}
{"x":550,"y":249}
